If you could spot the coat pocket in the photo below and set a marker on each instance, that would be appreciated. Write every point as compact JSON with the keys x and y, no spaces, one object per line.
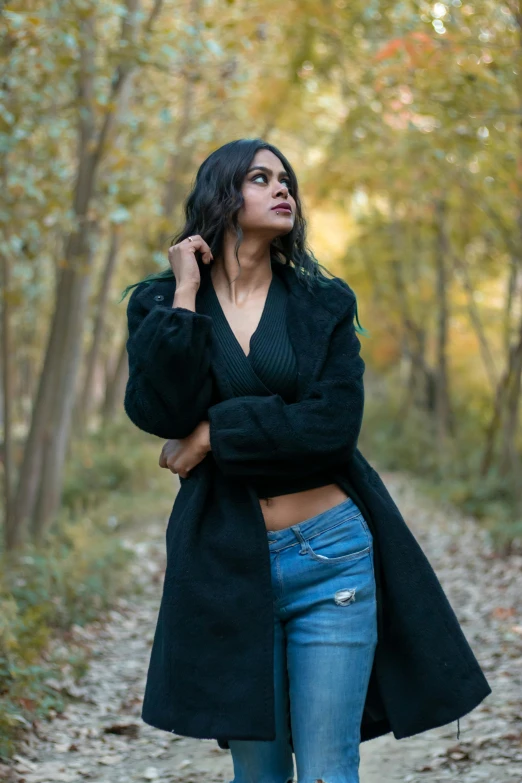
{"x":345,"y":540}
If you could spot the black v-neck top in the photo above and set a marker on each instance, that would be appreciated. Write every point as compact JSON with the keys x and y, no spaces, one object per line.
{"x":269,"y":368}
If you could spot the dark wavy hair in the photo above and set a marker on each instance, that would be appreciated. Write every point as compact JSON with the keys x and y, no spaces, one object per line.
{"x":213,"y":205}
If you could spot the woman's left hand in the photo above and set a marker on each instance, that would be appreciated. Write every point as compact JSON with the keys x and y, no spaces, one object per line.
{"x":181,"y":455}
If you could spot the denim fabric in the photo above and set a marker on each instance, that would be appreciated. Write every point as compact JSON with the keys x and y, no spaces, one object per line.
{"x":325,"y":637}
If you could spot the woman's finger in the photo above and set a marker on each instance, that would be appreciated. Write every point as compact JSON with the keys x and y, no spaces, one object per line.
{"x":198,"y":243}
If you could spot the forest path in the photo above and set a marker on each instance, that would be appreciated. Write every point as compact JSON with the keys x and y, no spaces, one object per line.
{"x":101,"y":738}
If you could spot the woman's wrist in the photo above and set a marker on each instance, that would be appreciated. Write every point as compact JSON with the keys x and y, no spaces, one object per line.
{"x":185,"y":296}
{"x":203,"y":430}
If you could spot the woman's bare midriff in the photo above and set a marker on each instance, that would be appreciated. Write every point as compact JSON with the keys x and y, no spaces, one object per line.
{"x":286,"y":510}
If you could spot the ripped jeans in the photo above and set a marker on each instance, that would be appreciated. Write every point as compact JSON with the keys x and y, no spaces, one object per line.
{"x":325,"y":638}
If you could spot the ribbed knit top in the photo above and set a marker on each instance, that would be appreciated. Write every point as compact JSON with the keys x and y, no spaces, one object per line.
{"x":269,"y":368}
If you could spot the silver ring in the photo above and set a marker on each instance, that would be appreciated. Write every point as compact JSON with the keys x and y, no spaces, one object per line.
{"x":190,"y":239}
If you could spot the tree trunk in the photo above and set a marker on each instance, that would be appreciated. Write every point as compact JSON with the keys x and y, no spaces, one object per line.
{"x":40,"y":484}
{"x":85,"y":403}
{"x":73,"y":296}
{"x":12,"y":538}
{"x":421,"y":379}
{"x":180,"y":159}
{"x":476,"y":322}
{"x":30,"y":470}
{"x":442,"y":400}
{"x":509,"y":457}
{"x":506,"y":414}
{"x":115,"y":388}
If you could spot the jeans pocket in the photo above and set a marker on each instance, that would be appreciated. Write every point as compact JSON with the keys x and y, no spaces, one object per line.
{"x":346,"y":540}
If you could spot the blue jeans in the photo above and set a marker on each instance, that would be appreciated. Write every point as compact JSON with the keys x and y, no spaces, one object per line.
{"x":325,"y":638}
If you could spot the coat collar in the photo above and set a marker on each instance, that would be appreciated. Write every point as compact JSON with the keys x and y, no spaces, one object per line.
{"x":311,"y":317}
{"x":335,"y":296}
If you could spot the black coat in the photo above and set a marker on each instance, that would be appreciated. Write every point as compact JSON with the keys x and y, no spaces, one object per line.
{"x":211,"y":667}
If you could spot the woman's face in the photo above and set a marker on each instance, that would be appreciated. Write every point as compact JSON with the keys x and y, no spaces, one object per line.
{"x":265,"y":186}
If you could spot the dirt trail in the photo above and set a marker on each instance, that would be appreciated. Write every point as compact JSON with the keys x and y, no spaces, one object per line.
{"x":81,"y":745}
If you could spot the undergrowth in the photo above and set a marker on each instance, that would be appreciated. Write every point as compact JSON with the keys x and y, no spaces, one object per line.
{"x":113,"y":483}
{"x":399,"y":440}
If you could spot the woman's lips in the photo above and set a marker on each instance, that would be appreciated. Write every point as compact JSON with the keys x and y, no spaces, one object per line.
{"x":283,"y":209}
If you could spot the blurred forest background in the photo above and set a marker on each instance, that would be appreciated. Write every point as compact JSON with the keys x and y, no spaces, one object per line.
{"x":404,"y":123}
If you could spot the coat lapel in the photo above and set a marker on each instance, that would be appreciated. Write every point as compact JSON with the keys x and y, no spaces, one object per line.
{"x":311,"y":318}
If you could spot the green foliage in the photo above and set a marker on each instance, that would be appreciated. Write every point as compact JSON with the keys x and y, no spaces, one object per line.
{"x":113,"y":480}
{"x":408,"y":442}
{"x":111,"y":460}
{"x":72,"y":580}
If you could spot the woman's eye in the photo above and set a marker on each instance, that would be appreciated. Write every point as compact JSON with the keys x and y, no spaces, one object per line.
{"x":265,"y":179}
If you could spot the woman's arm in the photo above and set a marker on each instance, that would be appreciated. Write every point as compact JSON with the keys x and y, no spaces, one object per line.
{"x":170,"y":384}
{"x":254,"y":435}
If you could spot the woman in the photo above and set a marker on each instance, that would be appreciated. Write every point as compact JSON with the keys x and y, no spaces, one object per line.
{"x":298,"y":611}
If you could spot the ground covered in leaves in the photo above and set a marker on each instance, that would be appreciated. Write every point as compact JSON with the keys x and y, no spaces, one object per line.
{"x":101,"y":738}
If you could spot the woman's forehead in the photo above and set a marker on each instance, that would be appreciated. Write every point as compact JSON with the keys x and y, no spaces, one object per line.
{"x":267,"y":157}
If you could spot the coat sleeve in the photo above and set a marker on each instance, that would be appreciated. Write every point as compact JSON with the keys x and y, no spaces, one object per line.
{"x":170,"y":384}
{"x":256,"y":435}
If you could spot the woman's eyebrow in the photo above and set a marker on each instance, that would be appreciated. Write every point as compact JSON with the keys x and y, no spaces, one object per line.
{"x":265,"y":168}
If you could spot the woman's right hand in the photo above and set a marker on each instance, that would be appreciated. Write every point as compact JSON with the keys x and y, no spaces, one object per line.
{"x":182,"y":455}
{"x":182,"y":259}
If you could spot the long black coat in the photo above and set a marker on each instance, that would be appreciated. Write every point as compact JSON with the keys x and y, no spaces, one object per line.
{"x":211,"y":667}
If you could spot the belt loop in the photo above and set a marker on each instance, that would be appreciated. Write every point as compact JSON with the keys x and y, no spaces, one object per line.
{"x":300,"y":538}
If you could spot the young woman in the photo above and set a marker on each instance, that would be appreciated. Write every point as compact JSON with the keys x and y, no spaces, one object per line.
{"x":299,"y":614}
